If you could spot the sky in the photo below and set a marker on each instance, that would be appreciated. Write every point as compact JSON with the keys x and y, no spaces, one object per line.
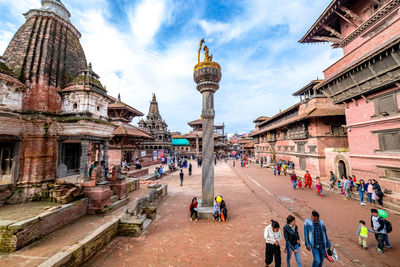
{"x":140,"y":47}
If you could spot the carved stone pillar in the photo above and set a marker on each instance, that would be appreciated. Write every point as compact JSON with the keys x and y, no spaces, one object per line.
{"x":99,"y":152}
{"x":84,"y":168}
{"x":207,"y":76}
{"x":105,"y":153}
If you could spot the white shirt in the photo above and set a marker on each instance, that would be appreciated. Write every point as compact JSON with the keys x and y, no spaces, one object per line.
{"x":270,"y":236}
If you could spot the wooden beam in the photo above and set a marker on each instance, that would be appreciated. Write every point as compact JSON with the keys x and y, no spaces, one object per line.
{"x":326,"y":38}
{"x":331,"y":30}
{"x":376,"y":2}
{"x":346,"y":19}
{"x":349,"y":13}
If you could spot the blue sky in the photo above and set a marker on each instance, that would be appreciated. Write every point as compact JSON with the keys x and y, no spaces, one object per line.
{"x":143,"y":46}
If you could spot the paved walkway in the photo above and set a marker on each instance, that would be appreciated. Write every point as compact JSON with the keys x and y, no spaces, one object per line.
{"x":172,"y":240}
{"x":341,"y":216}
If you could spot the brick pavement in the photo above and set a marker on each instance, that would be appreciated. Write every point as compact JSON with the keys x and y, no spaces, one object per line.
{"x":172,"y":240}
{"x":340,"y":216}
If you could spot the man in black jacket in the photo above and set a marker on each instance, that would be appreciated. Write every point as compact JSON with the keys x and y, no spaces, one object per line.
{"x":378,"y":225}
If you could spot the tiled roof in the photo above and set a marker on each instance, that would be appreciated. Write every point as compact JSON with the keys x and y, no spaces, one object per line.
{"x":127,"y":129}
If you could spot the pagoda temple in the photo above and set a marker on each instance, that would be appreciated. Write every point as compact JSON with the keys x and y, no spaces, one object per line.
{"x":126,"y":144}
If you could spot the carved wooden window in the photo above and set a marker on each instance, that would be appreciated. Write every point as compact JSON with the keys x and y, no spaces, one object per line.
{"x":302,"y":163}
{"x":337,"y":130}
{"x":389,"y":140}
{"x":286,"y":148}
{"x":300,"y":148}
{"x":385,"y":105}
{"x":291,"y":148}
{"x":312,"y":149}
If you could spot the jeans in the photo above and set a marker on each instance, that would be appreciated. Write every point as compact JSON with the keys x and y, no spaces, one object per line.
{"x":387,"y":240}
{"x":361,"y":193}
{"x":289,"y":255}
{"x":370,"y":200}
{"x":193,"y":211}
{"x":381,"y":240}
{"x":348,"y":193}
{"x":294,"y":184}
{"x":318,"y":255}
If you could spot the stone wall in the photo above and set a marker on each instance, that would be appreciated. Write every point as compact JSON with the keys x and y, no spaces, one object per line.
{"x":17,"y":234}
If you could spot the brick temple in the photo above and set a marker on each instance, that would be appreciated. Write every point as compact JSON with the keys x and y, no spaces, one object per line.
{"x":53,"y":108}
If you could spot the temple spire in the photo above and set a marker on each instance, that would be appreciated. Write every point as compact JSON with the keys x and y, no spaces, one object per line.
{"x":154,"y":113}
{"x":57,"y":7}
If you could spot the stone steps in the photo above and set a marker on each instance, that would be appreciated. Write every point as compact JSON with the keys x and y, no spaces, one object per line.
{"x":77,"y":242}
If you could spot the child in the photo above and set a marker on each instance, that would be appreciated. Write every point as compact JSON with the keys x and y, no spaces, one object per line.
{"x":319,"y":187}
{"x":193,"y":209}
{"x":299,"y":183}
{"x":362,"y":234}
{"x":275,"y":170}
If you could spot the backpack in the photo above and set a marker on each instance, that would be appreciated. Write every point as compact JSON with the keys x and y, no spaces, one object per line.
{"x":388,"y":226}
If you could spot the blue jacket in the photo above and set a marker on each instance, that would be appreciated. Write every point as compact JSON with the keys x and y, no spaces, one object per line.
{"x":309,"y":233}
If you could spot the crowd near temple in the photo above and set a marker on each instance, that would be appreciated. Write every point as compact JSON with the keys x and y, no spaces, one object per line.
{"x":64,"y":139}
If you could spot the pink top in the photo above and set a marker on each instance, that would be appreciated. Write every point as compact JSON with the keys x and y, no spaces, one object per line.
{"x":370,"y":188}
{"x":317,"y":182}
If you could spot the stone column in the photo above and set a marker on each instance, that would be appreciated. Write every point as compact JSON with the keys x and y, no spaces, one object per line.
{"x":84,"y":159}
{"x":105,"y":153}
{"x":99,"y":153}
{"x":207,"y":76}
{"x":197,"y":146}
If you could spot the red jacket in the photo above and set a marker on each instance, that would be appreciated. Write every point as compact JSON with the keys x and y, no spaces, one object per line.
{"x":293,"y":177}
{"x":193,"y":205}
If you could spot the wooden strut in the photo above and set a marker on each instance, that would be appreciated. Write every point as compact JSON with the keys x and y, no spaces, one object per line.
{"x":346,"y":19}
{"x":349,"y":13}
{"x":331,"y":30}
{"x":326,"y":39}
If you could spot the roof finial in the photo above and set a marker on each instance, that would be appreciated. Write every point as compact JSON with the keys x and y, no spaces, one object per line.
{"x":90,"y":66}
{"x":154,"y":95}
{"x":119,"y":97}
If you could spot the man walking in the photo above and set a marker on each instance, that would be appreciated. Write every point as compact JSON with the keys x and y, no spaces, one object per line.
{"x":332,"y":181}
{"x":181,"y":176}
{"x":293,"y":178}
{"x":347,"y":188}
{"x":378,"y":225}
{"x":316,"y":238}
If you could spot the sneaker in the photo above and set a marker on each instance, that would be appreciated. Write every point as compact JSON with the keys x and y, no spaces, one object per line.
{"x":195,"y":220}
{"x":380,"y":250}
{"x":388,"y":246}
{"x":363,"y":204}
{"x":366,"y":248}
{"x":190,"y":219}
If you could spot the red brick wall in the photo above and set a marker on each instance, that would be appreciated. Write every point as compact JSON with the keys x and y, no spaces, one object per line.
{"x":364,"y":44}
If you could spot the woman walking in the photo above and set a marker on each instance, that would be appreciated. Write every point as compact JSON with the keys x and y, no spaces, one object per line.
{"x":272,"y":236}
{"x":292,"y":238}
{"x":370,"y":191}
{"x":361,"y":191}
{"x":378,"y":191}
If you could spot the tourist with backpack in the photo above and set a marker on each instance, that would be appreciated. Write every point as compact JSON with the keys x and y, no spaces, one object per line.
{"x":378,"y":225}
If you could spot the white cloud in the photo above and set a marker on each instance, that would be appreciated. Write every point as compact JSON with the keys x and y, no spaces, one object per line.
{"x":258,"y":76}
{"x":146,"y":19}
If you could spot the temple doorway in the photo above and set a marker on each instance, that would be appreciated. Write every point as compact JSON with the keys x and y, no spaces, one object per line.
{"x":7,"y":151}
{"x":342,"y":169}
{"x":71,"y":156}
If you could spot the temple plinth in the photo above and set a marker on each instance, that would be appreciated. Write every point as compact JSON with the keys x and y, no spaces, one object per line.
{"x":207,"y":75}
